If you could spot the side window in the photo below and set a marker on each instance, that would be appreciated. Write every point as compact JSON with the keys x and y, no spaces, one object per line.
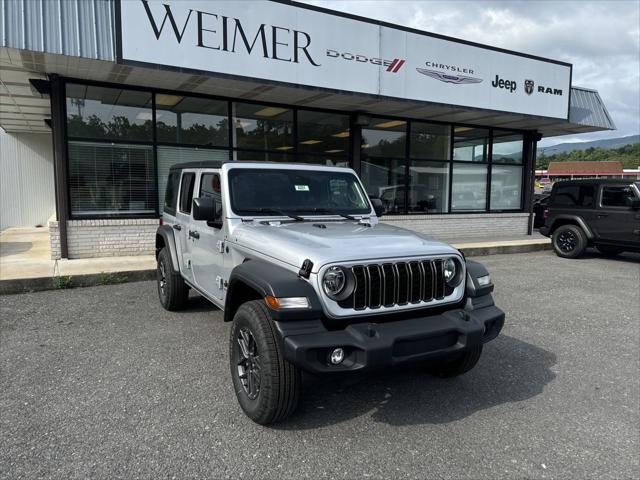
{"x":171,"y":194}
{"x":574,"y":195}
{"x":617,"y":196}
{"x":186,"y":191}
{"x":210,"y":185}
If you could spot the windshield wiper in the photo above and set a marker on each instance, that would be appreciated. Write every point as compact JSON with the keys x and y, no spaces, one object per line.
{"x":275,"y":211}
{"x":328,"y":211}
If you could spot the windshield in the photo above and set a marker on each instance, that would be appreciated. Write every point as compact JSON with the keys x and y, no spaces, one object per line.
{"x":272,"y":192}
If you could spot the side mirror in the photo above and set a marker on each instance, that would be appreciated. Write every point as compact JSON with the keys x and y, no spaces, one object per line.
{"x":378,"y":207}
{"x":209,"y":210}
{"x":635,"y":204}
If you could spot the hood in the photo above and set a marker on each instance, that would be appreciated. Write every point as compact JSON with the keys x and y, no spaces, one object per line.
{"x":338,"y":241}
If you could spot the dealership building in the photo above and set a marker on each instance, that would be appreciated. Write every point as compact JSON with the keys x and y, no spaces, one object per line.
{"x":98,"y":98}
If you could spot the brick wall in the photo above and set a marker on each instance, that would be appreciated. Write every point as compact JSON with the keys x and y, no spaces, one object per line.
{"x":54,"y":239}
{"x":461,"y":226}
{"x":109,"y":238}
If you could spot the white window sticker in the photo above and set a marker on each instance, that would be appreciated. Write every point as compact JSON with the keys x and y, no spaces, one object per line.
{"x":302,"y":188}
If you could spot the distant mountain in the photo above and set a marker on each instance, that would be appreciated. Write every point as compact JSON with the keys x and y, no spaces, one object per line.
{"x":607,"y":143}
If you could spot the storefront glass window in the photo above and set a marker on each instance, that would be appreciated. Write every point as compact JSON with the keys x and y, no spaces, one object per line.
{"x":385,"y":178}
{"x":385,"y":138}
{"x":263,"y":156}
{"x":322,"y":133}
{"x":469,"y":187}
{"x":260,"y":127}
{"x":106,"y":179}
{"x":109,"y":113}
{"x":506,"y":187}
{"x":507,"y":147}
{"x":428,"y":186}
{"x":430,"y":141}
{"x":168,"y":156}
{"x":470,"y":144}
{"x":191,"y":120}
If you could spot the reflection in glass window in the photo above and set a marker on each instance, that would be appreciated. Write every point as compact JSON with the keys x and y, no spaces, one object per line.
{"x":470,"y":144}
{"x":507,"y":147}
{"x":385,"y":178}
{"x":430,"y":141}
{"x":109,"y":113}
{"x":261,"y":127}
{"x":323,"y":133}
{"x":469,"y":187}
{"x":428,"y":186}
{"x":191,"y":120}
{"x":384,"y":138}
{"x":263,"y":156}
{"x":323,"y":160}
{"x":168,"y":156}
{"x":106,"y":179}
{"x":506,"y":187}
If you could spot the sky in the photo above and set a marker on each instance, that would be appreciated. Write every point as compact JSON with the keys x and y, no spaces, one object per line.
{"x":600,"y":38}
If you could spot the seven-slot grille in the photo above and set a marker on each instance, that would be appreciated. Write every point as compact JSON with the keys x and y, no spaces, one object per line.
{"x":399,"y":283}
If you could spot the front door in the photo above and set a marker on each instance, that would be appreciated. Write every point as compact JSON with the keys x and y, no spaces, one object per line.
{"x":207,"y":255}
{"x":614,"y":220}
{"x":183,"y":221}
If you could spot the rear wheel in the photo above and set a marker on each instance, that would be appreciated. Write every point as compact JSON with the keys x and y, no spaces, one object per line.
{"x":172,"y":290}
{"x":266,"y":385}
{"x":458,"y":365}
{"x":569,"y":241}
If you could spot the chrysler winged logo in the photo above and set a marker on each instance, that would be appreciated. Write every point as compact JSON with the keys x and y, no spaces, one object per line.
{"x":528,"y":86}
{"x":449,"y":78}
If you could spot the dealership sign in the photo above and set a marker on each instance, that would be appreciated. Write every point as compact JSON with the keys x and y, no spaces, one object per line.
{"x":299,"y":45}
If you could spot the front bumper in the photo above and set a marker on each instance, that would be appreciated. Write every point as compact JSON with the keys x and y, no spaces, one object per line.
{"x":308,"y":344}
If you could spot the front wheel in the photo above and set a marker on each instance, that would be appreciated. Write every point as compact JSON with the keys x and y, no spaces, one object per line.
{"x":267,"y":386}
{"x":457,"y":366}
{"x":569,"y":241}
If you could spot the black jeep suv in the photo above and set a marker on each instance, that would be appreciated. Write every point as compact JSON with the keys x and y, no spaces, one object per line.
{"x":604,"y":213}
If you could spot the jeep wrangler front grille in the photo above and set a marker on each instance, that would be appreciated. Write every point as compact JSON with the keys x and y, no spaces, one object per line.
{"x":400,"y":283}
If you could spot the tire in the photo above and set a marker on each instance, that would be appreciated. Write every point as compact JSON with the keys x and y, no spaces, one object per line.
{"x":569,"y":241}
{"x":609,"y":251}
{"x":458,"y":365}
{"x":172,"y":291}
{"x":267,"y":386}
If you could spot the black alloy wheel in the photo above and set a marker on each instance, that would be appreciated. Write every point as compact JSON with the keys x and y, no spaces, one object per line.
{"x":569,"y":241}
{"x":248,"y":363}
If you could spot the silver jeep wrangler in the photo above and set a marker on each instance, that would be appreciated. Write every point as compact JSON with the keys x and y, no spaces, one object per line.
{"x":296,"y":257}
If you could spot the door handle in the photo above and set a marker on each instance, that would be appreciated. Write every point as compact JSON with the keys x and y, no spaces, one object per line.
{"x":177,"y":226}
{"x":194,"y":234}
{"x":603,"y":215}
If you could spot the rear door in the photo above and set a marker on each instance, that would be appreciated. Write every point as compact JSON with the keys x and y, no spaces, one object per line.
{"x":208,"y":247}
{"x":183,"y":220}
{"x":615,"y":221}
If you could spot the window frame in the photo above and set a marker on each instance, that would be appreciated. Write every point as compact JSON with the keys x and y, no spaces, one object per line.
{"x":601,"y":196}
{"x":183,"y":176}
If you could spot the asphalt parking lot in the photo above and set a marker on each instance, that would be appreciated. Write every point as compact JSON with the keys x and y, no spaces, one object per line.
{"x":101,"y":382}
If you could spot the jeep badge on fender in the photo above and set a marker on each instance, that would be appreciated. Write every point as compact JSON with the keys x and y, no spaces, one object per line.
{"x":297,"y":259}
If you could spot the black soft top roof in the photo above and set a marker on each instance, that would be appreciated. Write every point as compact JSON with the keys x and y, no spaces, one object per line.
{"x":201,"y":164}
{"x":592,"y":181}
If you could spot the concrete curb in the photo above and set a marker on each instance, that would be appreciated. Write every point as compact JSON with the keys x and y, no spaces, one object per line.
{"x":38,"y":284}
{"x":26,"y":285}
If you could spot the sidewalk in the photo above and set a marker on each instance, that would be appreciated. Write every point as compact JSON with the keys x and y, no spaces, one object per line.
{"x":26,"y":265}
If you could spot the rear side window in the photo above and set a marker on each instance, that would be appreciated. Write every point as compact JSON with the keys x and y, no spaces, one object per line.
{"x":574,"y":196}
{"x":186,"y":191}
{"x":617,"y":196}
{"x":171,"y":194}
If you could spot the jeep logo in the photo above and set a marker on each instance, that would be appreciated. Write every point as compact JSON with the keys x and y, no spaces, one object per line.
{"x":510,"y":85}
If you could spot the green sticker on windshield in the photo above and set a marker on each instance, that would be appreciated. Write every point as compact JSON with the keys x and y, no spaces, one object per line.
{"x":302,"y":188}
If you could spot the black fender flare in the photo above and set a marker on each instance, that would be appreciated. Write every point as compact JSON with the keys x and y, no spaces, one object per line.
{"x":574,"y":218}
{"x":476,"y":270}
{"x":165,"y":232}
{"x":269,"y":279}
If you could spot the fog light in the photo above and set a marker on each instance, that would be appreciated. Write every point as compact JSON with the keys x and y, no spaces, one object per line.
{"x":337,"y":356}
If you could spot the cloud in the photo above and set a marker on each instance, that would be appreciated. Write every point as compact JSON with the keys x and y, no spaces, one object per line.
{"x":600,"y":38}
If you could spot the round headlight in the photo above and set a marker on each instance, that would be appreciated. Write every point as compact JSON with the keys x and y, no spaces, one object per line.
{"x":334,"y":281}
{"x":452,"y":274}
